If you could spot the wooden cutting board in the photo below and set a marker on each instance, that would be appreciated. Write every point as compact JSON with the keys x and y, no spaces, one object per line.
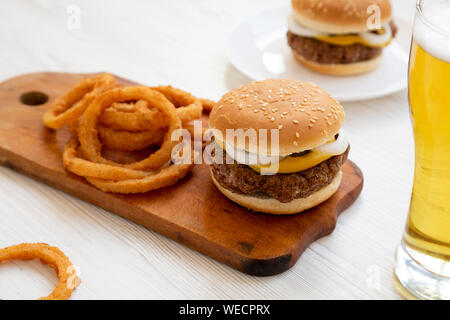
{"x":193,"y":212}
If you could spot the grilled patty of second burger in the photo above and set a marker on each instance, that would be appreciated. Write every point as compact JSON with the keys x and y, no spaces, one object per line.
{"x":242,"y":179}
{"x":322,"y":52}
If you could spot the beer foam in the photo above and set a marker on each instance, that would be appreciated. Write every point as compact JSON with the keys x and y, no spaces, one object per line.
{"x":432,"y":29}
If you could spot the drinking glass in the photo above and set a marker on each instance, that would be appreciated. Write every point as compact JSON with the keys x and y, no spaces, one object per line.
{"x":423,"y":257}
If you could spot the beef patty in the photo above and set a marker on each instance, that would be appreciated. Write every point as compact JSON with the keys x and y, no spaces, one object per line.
{"x":242,"y":179}
{"x":323,"y":52}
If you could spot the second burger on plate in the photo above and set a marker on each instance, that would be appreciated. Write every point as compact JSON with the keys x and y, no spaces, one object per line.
{"x":340,"y":37}
{"x":305,"y":167}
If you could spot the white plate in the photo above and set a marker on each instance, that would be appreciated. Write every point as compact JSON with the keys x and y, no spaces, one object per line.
{"x":258,"y":48}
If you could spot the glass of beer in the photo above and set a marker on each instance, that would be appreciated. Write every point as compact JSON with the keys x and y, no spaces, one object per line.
{"x":423,"y":258}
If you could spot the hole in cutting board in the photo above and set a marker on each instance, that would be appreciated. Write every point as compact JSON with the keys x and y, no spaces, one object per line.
{"x":33,"y":98}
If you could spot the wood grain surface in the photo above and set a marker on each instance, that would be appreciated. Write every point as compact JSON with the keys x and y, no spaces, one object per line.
{"x":193,"y":212}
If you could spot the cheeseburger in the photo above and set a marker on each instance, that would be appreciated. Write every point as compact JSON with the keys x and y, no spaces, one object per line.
{"x":340,"y":37}
{"x":301,"y":169}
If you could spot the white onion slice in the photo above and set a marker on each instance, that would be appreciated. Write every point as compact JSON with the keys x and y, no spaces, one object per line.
{"x":378,"y":39}
{"x":300,"y":30}
{"x":247,"y":158}
{"x":336,"y":147}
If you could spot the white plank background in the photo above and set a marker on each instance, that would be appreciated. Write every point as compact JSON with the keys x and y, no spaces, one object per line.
{"x":184,"y":43}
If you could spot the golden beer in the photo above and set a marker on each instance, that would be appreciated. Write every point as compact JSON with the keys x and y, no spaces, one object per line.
{"x":423,"y":258}
{"x":428,"y":227}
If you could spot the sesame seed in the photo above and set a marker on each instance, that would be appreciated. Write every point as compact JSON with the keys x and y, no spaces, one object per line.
{"x":280,"y":127}
{"x":297,"y":135}
{"x":295,"y":121}
{"x":295,"y":143}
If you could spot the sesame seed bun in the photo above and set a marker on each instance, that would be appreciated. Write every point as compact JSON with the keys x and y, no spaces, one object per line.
{"x":305,"y":114}
{"x":341,"y":69}
{"x":339,"y":16}
{"x":273,"y":206}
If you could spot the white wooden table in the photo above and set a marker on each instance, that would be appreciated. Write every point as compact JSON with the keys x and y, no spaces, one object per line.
{"x":184,"y":43}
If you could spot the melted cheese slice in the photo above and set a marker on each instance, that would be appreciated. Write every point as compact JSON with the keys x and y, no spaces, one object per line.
{"x":295,"y":164}
{"x":346,"y":40}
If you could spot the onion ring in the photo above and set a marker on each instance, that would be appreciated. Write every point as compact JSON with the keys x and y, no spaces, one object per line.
{"x":50,"y":256}
{"x":88,"y":137}
{"x":164,"y":178}
{"x":188,"y":108}
{"x":71,"y":106}
{"x":85,"y":168}
{"x":129,"y":140}
{"x":208,"y":105}
{"x":125,"y":107}
{"x":139,"y":120}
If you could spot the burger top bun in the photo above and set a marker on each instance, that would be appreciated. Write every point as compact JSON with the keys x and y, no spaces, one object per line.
{"x":341,"y":16}
{"x":305,"y":114}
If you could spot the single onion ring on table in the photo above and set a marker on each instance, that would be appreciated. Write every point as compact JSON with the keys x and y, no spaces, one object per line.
{"x":51,"y":256}
{"x":71,"y":106}
{"x":88,"y":135}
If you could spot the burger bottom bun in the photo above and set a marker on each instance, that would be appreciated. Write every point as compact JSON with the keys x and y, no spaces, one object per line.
{"x":273,"y":206}
{"x":344,"y":69}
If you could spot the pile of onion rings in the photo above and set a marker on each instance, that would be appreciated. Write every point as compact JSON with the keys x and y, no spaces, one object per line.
{"x":51,"y":256}
{"x":101,"y":114}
